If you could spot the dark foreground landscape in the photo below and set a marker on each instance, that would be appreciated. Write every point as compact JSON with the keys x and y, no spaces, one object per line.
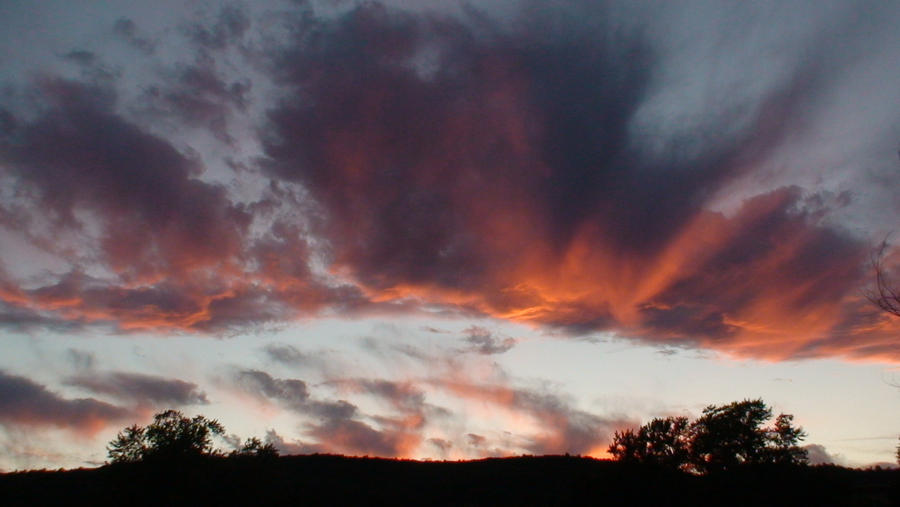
{"x":338,"y":480}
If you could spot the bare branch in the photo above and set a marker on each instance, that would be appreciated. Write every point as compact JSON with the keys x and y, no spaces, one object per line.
{"x":886,"y":295}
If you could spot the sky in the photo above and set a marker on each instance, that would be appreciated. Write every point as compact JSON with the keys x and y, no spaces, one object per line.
{"x":445,"y":230}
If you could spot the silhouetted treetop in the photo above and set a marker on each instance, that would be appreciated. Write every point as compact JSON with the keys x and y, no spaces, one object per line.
{"x":661,"y":441}
{"x":722,"y":438}
{"x":170,"y":435}
{"x":130,"y":445}
{"x":255,"y":448}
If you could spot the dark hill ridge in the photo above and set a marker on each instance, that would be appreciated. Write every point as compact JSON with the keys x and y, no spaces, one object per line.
{"x":339,"y":480}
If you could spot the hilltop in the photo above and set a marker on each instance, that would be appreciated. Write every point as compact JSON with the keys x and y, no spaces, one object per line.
{"x":546,"y":480}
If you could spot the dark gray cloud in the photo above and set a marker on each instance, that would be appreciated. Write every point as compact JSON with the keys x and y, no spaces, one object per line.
{"x":442,"y":445}
{"x":80,"y":155}
{"x":25,"y":319}
{"x":199,"y":95}
{"x":231,"y":24}
{"x":26,"y":403}
{"x":291,"y":392}
{"x":127,"y":30}
{"x":81,"y":360}
{"x":331,"y":410}
{"x":140,"y":388}
{"x":483,"y":341}
{"x":81,"y":57}
{"x":476,"y":440}
{"x":403,"y":395}
{"x":287,"y":354}
{"x":524,"y":112}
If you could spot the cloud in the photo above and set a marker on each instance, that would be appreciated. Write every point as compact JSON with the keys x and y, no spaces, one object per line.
{"x":546,"y":422}
{"x":287,"y":354}
{"x":81,"y":360}
{"x":337,"y":425}
{"x":292,"y":392}
{"x":404,"y":396}
{"x":443,"y":446}
{"x":354,"y":437}
{"x":166,"y":250}
{"x":289,"y":448}
{"x":483,"y":341}
{"x":80,"y":155}
{"x":230,"y":26}
{"x":15,"y":317}
{"x":429,"y":142}
{"x":27,"y":403}
{"x":546,"y":167}
{"x":81,"y":56}
{"x":819,"y":456}
{"x":127,"y":30}
{"x":139,"y":388}
{"x":561,"y":428}
{"x":476,"y":440}
{"x":198,"y":94}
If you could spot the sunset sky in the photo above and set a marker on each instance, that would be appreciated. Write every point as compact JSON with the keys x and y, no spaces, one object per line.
{"x":445,"y":230}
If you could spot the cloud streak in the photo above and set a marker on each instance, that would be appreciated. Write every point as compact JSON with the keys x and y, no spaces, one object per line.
{"x":337,"y":425}
{"x":131,"y":387}
{"x":26,"y":403}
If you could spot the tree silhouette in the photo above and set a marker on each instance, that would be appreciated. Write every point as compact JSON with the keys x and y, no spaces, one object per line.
{"x":661,"y":441}
{"x":723,"y":438}
{"x":784,"y":438}
{"x":171,"y":435}
{"x":730,"y":435}
{"x":253,"y":447}
{"x":130,"y":445}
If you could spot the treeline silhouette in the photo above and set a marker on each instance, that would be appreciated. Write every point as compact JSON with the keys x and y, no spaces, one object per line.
{"x":725,"y":457}
{"x":547,"y":480}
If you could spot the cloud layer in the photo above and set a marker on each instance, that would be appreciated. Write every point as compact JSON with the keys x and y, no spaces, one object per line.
{"x":409,"y":161}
